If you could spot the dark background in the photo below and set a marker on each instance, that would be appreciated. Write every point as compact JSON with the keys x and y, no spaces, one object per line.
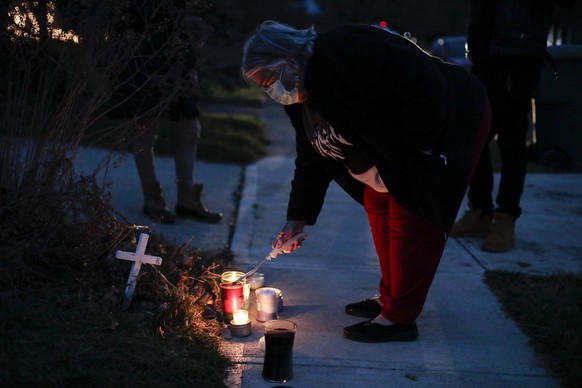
{"x":231,"y":22}
{"x":425,"y":20}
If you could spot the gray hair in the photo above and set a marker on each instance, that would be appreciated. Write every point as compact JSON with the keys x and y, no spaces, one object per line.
{"x":272,"y":42}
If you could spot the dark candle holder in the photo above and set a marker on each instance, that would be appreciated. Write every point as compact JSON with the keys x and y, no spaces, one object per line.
{"x":242,"y":330}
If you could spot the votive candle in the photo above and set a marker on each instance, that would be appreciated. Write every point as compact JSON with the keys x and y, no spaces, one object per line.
{"x":241,"y":317}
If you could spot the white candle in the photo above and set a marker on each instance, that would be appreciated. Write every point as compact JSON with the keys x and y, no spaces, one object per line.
{"x":241,"y":317}
{"x":267,"y":300}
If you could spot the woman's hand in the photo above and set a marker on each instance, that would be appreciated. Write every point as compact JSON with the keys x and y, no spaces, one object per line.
{"x":290,"y":229}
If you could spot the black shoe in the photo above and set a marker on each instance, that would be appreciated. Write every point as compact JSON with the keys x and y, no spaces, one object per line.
{"x":368,"y":308}
{"x":202,"y":216}
{"x":161,"y":216}
{"x":368,"y":331}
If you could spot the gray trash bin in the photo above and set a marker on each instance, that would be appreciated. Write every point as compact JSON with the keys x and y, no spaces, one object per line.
{"x":559,"y":109}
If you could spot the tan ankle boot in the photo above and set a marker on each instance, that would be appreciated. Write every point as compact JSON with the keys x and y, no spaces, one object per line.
{"x":502,"y":238}
{"x":473,"y":223}
{"x":191,"y":204}
{"x":155,"y":204}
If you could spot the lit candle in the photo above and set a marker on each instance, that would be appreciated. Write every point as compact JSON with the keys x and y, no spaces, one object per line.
{"x":232,"y":299}
{"x":241,"y":317}
{"x":240,"y":326}
{"x":231,"y":276}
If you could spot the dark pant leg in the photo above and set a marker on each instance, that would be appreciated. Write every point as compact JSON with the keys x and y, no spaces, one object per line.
{"x":481,"y":187}
{"x":187,"y":138}
{"x":512,"y":113}
{"x":143,"y":151}
{"x":510,"y":84}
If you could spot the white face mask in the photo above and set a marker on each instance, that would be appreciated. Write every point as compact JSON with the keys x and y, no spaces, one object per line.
{"x":281,"y":95}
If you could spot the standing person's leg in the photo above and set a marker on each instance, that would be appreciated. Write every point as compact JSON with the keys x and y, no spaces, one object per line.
{"x":478,"y":220}
{"x":190,"y":199}
{"x":514,"y":112}
{"x":155,"y":206}
{"x":481,"y":187}
{"x":511,"y":115}
{"x":187,"y":137}
{"x":409,"y":249}
{"x":143,"y":150}
{"x":480,"y":192}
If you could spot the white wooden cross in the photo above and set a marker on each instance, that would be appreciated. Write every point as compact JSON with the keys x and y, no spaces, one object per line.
{"x":138,"y":258}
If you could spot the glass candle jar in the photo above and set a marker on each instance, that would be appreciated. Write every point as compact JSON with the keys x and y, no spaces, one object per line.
{"x":231,"y":276}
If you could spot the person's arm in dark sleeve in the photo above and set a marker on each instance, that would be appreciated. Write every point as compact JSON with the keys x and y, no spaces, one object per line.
{"x":310,"y":180}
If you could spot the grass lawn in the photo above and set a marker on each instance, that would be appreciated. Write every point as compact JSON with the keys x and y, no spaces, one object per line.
{"x":65,"y":327}
{"x":549,"y":311}
{"x":52,"y":338}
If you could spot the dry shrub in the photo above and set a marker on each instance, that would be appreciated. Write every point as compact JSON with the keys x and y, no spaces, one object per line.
{"x":58,"y":232}
{"x":55,"y":223}
{"x":57,"y":227}
{"x":184,"y":290}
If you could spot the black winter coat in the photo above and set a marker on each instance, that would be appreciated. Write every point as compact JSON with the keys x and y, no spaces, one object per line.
{"x":510,"y":27}
{"x":391,"y":100}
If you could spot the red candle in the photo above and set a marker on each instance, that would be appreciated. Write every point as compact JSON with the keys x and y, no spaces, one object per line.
{"x":232,"y":299}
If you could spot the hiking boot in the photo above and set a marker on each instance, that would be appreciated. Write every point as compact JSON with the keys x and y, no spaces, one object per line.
{"x":155,"y":204}
{"x":473,"y":223}
{"x":191,"y":204}
{"x":502,"y":237}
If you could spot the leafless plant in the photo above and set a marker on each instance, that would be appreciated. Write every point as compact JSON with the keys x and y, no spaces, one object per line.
{"x":62,"y":62}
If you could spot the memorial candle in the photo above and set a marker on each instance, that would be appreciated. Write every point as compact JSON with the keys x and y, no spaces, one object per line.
{"x":231,"y":276}
{"x":241,"y":317}
{"x":232,"y":296}
{"x":240,"y":326}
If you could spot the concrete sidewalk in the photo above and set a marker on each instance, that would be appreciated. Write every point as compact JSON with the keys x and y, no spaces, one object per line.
{"x":222,"y":187}
{"x":465,"y":339}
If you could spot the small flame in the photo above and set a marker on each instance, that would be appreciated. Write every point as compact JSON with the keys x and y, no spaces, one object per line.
{"x":241,"y":317}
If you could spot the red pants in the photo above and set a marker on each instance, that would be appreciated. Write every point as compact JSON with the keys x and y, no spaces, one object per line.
{"x":409,"y":249}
